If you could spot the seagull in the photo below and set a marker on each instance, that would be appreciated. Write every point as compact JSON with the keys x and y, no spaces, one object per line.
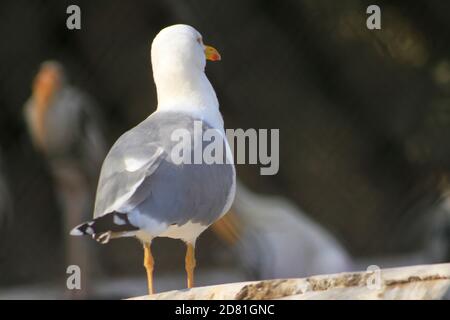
{"x":65,"y":128}
{"x":143,"y":191}
{"x":274,"y":239}
{"x":63,"y":122}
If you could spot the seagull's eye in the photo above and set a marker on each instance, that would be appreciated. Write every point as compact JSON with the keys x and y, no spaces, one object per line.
{"x":199,"y":40}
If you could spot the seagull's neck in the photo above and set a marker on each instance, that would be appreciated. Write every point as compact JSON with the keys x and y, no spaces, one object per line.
{"x":190,"y":93}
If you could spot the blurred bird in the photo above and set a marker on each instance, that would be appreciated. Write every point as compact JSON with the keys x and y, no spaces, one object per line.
{"x":144,"y":191}
{"x":274,"y":239}
{"x":65,"y":128}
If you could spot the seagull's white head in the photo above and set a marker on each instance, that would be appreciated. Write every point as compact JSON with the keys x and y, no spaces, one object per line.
{"x":181,"y":47}
{"x":178,"y":61}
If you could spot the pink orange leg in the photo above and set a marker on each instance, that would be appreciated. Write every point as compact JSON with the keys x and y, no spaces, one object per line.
{"x":190,"y":264}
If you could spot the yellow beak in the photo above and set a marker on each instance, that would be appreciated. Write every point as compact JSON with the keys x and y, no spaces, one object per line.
{"x":212,"y":54}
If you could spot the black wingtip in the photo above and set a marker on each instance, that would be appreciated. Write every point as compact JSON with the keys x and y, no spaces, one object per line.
{"x":102,"y":227}
{"x":83,"y":229}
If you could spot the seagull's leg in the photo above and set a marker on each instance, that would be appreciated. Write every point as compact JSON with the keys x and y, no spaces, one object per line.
{"x":148,"y":264}
{"x":190,"y":264}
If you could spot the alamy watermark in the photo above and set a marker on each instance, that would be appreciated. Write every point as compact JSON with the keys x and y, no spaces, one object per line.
{"x":73,"y":281}
{"x":73,"y":21}
{"x":206,"y":146}
{"x":373,"y":21}
{"x":374,"y":281}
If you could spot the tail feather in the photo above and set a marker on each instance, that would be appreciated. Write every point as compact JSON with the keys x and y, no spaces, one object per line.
{"x":102,"y":228}
{"x":228,"y":228}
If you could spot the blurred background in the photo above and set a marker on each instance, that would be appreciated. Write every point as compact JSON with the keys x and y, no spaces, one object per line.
{"x":364,"y":119}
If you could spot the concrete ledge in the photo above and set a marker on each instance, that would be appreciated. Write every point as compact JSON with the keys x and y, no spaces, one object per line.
{"x":404,"y":283}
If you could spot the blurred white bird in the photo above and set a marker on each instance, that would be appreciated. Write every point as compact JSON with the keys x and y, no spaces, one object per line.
{"x":65,"y":128}
{"x":274,"y":239}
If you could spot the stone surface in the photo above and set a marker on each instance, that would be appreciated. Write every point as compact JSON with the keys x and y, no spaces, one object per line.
{"x":404,"y":283}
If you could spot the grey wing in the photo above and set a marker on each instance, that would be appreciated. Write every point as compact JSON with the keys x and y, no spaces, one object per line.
{"x":126,"y":166}
{"x":192,"y":192}
{"x":178,"y":193}
{"x":138,"y":175}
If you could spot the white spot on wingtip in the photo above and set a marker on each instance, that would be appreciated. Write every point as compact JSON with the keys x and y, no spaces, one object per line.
{"x":132,"y":165}
{"x":118,"y":220}
{"x":76,"y":232}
